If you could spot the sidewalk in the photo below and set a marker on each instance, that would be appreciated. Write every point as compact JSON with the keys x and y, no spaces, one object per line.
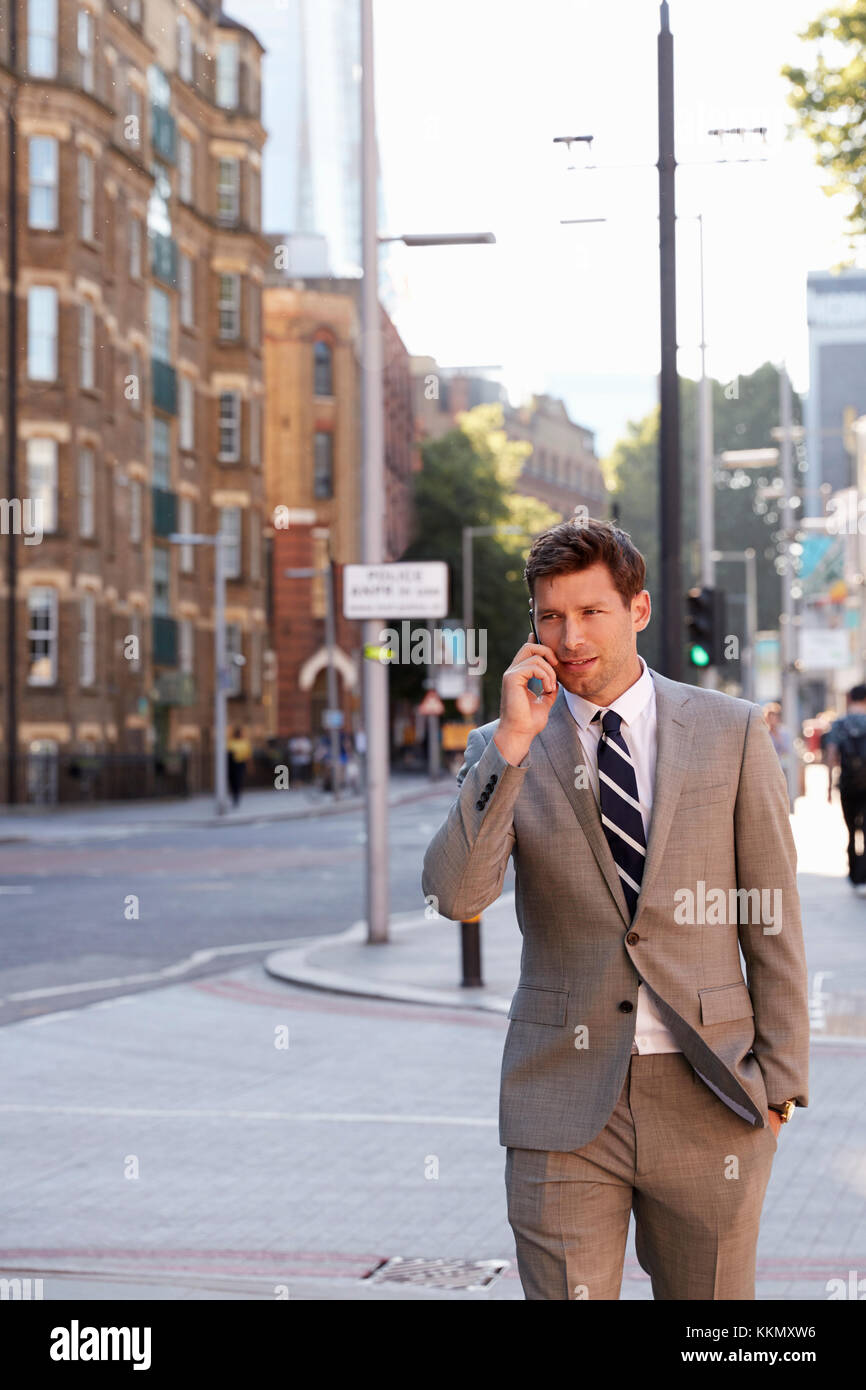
{"x":116,"y":819}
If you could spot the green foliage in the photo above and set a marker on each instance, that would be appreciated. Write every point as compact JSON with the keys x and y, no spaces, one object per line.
{"x":830,"y":101}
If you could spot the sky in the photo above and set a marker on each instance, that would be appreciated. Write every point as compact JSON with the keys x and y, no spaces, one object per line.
{"x":470,"y":95}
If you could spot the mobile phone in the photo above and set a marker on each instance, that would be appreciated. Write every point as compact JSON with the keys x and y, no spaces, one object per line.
{"x":535,"y":685}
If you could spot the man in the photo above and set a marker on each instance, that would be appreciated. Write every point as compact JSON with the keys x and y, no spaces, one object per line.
{"x":239,"y":754}
{"x":845,"y":745}
{"x":638,"y":1065}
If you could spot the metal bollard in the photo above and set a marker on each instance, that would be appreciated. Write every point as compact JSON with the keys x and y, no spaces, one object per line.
{"x":470,"y":952}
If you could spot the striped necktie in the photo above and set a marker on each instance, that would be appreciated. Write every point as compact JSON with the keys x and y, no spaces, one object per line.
{"x":620,"y":808}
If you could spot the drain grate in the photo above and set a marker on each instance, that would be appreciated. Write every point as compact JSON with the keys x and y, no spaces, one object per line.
{"x":438,"y":1274}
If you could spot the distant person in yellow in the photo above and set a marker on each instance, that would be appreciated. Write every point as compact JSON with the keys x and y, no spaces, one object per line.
{"x":239,"y":752}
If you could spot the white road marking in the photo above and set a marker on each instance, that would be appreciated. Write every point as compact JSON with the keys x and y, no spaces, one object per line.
{"x":16,"y":888}
{"x":327,"y":1116}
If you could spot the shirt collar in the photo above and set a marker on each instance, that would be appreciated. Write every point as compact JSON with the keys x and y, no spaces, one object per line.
{"x":628,"y":705}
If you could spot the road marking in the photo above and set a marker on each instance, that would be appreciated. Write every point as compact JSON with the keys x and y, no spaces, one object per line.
{"x":313,"y":1116}
{"x":16,"y":888}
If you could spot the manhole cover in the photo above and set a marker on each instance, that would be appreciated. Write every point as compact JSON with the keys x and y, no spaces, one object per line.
{"x":438,"y":1274}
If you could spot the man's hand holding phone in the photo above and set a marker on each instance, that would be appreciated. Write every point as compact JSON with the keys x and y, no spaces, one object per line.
{"x":522,"y":713}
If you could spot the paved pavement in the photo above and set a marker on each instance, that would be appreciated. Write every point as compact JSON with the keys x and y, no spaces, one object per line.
{"x":170,"y":1145}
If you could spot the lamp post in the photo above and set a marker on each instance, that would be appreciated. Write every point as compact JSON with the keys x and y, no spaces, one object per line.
{"x":220,"y":666}
{"x":373,"y":502}
{"x":748,"y":557}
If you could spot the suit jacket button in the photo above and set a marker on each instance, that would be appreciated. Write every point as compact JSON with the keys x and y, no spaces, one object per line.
{"x":626,"y":1007}
{"x":479,"y":805}
{"x":493,"y":778}
{"x":632,"y":938}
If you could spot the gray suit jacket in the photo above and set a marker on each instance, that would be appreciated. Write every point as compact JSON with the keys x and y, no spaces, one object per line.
{"x":719,"y":821}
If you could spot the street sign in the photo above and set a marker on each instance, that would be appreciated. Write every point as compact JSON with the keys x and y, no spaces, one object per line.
{"x":449,"y":681}
{"x":400,"y":590}
{"x":332,"y":719}
{"x":431,"y":704}
{"x":824,"y":649}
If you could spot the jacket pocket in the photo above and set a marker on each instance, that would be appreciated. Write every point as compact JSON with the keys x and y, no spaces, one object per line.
{"x":706,"y":796}
{"x":535,"y":1004}
{"x":723,"y":1003}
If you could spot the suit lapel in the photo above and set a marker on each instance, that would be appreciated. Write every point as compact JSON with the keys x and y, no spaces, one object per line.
{"x":675,"y":734}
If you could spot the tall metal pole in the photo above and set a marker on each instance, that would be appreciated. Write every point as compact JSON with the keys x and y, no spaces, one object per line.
{"x":670,"y":503}
{"x":705,"y":445}
{"x":373,"y":502}
{"x":788,"y":632}
{"x":12,"y":425}
{"x":751,"y":619}
{"x":220,"y":679}
{"x":331,"y":643}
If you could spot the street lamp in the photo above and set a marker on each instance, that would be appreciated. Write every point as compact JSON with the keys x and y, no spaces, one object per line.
{"x":220,"y":665}
{"x":373,"y":483}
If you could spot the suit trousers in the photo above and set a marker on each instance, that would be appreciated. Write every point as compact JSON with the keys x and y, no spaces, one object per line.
{"x":693,"y":1172}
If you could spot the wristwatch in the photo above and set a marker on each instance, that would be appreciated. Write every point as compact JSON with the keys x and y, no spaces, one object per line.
{"x":786,"y":1110}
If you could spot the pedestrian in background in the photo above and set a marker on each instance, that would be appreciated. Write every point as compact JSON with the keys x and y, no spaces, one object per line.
{"x":239,"y":754}
{"x":845,"y":748}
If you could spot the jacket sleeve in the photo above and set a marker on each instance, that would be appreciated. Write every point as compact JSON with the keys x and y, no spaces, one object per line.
{"x":465,"y":863}
{"x":772,"y":938}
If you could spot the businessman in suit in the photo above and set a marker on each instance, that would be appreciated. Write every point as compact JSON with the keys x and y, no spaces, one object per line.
{"x":648,"y":824}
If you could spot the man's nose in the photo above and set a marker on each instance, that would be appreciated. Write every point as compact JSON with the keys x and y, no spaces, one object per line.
{"x":572,"y":636}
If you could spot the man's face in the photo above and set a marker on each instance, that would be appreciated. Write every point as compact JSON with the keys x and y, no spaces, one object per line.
{"x":582,"y":616}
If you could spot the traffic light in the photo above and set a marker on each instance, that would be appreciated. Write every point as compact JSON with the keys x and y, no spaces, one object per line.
{"x":705,"y":625}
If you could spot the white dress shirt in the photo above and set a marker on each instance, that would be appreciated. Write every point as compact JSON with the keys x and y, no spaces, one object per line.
{"x":637,"y":709}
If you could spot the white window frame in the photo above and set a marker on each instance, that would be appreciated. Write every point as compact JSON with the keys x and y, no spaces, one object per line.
{"x":36,"y":66}
{"x":42,"y":479}
{"x":186,"y":290}
{"x":160,"y":325}
{"x":161,"y":479}
{"x":134,"y":109}
{"x":42,"y":299}
{"x":229,"y":306}
{"x":234,"y":647}
{"x":86,"y":346}
{"x":134,"y":247}
{"x":48,"y":634}
{"x":184,"y":49}
{"x":186,"y":413}
{"x":229,"y":422}
{"x":228,"y":191}
{"x":185,"y":167}
{"x":85,"y":476}
{"x":135,"y":511}
{"x":85,"y":37}
{"x":85,"y":196}
{"x":186,"y":524}
{"x":186,"y":646}
{"x":87,"y":640}
{"x":227,"y":75}
{"x":161,"y":560}
{"x":231,"y":532}
{"x":45,"y":188}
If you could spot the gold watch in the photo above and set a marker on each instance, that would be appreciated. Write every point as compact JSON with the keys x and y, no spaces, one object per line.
{"x":786,"y":1110}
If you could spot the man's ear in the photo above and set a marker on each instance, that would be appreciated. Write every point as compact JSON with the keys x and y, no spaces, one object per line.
{"x":641,"y":610}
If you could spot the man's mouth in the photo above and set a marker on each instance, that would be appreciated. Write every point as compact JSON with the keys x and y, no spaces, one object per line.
{"x":583,"y":665}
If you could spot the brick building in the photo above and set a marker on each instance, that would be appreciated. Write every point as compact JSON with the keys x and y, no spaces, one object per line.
{"x":137,"y":400}
{"x":313,"y":477}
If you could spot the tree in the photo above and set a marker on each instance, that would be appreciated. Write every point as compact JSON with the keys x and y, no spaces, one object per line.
{"x":830,"y":102}
{"x":467,"y":479}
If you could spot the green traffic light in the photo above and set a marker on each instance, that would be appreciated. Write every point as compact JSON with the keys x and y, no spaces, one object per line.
{"x":699,"y":656}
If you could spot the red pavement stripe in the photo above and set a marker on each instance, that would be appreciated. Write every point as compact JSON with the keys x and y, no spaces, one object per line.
{"x":321,"y":1000}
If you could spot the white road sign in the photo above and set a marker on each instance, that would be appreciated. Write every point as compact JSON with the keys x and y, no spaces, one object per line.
{"x":401,"y":590}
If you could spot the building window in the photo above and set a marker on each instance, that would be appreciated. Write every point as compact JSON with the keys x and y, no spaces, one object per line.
{"x":160,"y":325}
{"x":86,"y":375}
{"x":85,"y":196}
{"x":85,"y":494}
{"x":42,"y":204}
{"x":255,"y":548}
{"x":186,"y":524}
{"x":229,"y":306}
{"x":184,"y":48}
{"x":323,"y":465}
{"x":255,"y":198}
{"x":254,"y":310}
{"x":255,"y":408}
{"x":135,"y":248}
{"x":230,"y":532}
{"x":185,"y":286}
{"x":85,"y":49}
{"x":87,"y":640}
{"x":42,"y":38}
{"x":256,"y":665}
{"x":161,"y":582}
{"x":42,"y":333}
{"x":227,"y":75}
{"x":187,"y":412}
{"x":132,"y":131}
{"x":42,"y":481}
{"x":133,"y":11}
{"x":234,"y":647}
{"x":228,"y":191}
{"x":186,"y":646}
{"x":323,"y":369}
{"x":42,"y":636}
{"x":230,"y":427}
{"x":184,"y":170}
{"x":137,"y":384}
{"x":161,"y":459}
{"x":135,"y":511}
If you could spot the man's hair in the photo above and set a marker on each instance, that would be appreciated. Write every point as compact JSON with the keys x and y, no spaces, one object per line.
{"x":858,"y":693}
{"x":575,"y":545}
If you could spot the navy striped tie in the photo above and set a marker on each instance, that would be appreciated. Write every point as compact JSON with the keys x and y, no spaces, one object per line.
{"x":620,"y":809}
